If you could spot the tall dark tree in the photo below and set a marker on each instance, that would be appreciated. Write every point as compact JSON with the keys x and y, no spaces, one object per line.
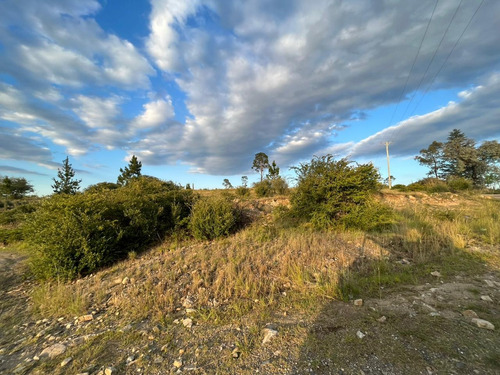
{"x":132,"y":170}
{"x":273,"y":171}
{"x":65,"y":182}
{"x":432,"y":157}
{"x":260,"y":162}
{"x":15,"y":188}
{"x":459,"y":157}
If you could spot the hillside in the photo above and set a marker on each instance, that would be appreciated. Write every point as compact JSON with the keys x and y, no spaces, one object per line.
{"x":274,"y":299}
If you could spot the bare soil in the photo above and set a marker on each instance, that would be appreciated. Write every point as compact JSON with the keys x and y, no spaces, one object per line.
{"x":424,"y":332}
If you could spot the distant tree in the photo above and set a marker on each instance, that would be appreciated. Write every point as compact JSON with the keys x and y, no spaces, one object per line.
{"x":65,"y":182}
{"x":274,"y":171}
{"x":132,"y":170}
{"x":489,"y":152}
{"x":188,"y":187}
{"x":15,"y":188}
{"x":386,"y":180}
{"x":260,"y":162}
{"x":459,"y":157}
{"x":227,"y":184}
{"x":432,"y":157}
{"x":244,"y":181}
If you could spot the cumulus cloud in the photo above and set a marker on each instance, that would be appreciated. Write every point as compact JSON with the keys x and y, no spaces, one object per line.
{"x":49,"y":53}
{"x":476,"y":115}
{"x":272,"y":75}
{"x":281,"y":77}
{"x":155,"y":113}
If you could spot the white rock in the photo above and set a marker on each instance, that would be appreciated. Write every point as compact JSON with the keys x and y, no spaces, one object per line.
{"x":188,"y":322}
{"x":436,"y":274}
{"x":481,"y":323}
{"x":53,"y":351}
{"x":188,"y":303}
{"x":236,"y":353}
{"x":269,"y":333}
{"x":382,"y":319}
{"x":358,"y":302}
{"x":110,"y":371}
{"x":66,"y":361}
{"x":486,"y":298}
{"x":178,"y":363}
{"x":360,"y":334}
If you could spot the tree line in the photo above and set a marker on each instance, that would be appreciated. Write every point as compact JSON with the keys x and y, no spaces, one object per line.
{"x":461,"y":157}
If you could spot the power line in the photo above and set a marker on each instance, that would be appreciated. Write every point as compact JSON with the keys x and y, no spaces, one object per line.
{"x":447,"y":57}
{"x":432,"y":59}
{"x":413,"y":64}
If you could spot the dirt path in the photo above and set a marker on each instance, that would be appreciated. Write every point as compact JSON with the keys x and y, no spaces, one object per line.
{"x":14,"y":302}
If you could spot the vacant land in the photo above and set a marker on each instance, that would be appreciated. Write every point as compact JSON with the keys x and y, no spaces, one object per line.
{"x":275,"y":299}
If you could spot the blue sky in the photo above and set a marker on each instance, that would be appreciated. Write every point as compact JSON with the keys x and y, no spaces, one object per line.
{"x":195,"y":88}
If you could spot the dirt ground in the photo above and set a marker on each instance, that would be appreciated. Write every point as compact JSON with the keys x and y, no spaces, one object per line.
{"x":420,"y":329}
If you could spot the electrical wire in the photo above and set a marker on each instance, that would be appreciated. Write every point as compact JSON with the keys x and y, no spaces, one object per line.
{"x":447,"y":58}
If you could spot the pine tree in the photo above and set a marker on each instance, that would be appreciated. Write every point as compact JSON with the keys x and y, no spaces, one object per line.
{"x":432,"y":157}
{"x":274,"y":171}
{"x":132,"y":170}
{"x":260,"y":163}
{"x":65,"y":182}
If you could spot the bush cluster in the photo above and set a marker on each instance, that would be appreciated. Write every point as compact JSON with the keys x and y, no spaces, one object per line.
{"x":213,"y":217}
{"x":74,"y":235}
{"x":334,"y":193}
{"x":433,"y":185}
{"x":271,"y":187}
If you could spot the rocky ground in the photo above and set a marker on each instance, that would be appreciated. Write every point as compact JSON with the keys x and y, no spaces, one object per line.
{"x":446,"y":326}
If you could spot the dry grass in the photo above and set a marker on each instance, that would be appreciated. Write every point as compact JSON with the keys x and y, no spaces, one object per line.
{"x":266,"y":265}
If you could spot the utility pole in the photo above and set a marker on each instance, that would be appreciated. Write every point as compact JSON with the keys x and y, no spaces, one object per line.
{"x":388,"y":164}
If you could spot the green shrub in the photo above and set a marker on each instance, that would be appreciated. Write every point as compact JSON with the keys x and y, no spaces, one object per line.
{"x":279,"y":186}
{"x":400,"y":187}
{"x":334,"y":193}
{"x":10,"y":235}
{"x":75,"y":235}
{"x":212,"y":217}
{"x":459,"y":184}
{"x":242,"y":191}
{"x":429,"y":185}
{"x":263,"y":188}
{"x":101,"y":186}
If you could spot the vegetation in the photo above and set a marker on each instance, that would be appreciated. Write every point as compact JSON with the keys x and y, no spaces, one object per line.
{"x":227,"y":184}
{"x":260,"y":163}
{"x":213,"y":217}
{"x":14,"y":188}
{"x":459,"y":157}
{"x":75,"y":235}
{"x":271,"y":270}
{"x":132,"y":170}
{"x":333,"y":193}
{"x":65,"y":182}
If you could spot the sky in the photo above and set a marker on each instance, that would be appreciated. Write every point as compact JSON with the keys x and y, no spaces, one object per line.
{"x":195,"y":88}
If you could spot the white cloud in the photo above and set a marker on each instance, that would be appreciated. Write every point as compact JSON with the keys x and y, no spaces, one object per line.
{"x":155,"y":113}
{"x":276,"y":72}
{"x":476,"y":115}
{"x":162,"y":43}
{"x":98,"y":112}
